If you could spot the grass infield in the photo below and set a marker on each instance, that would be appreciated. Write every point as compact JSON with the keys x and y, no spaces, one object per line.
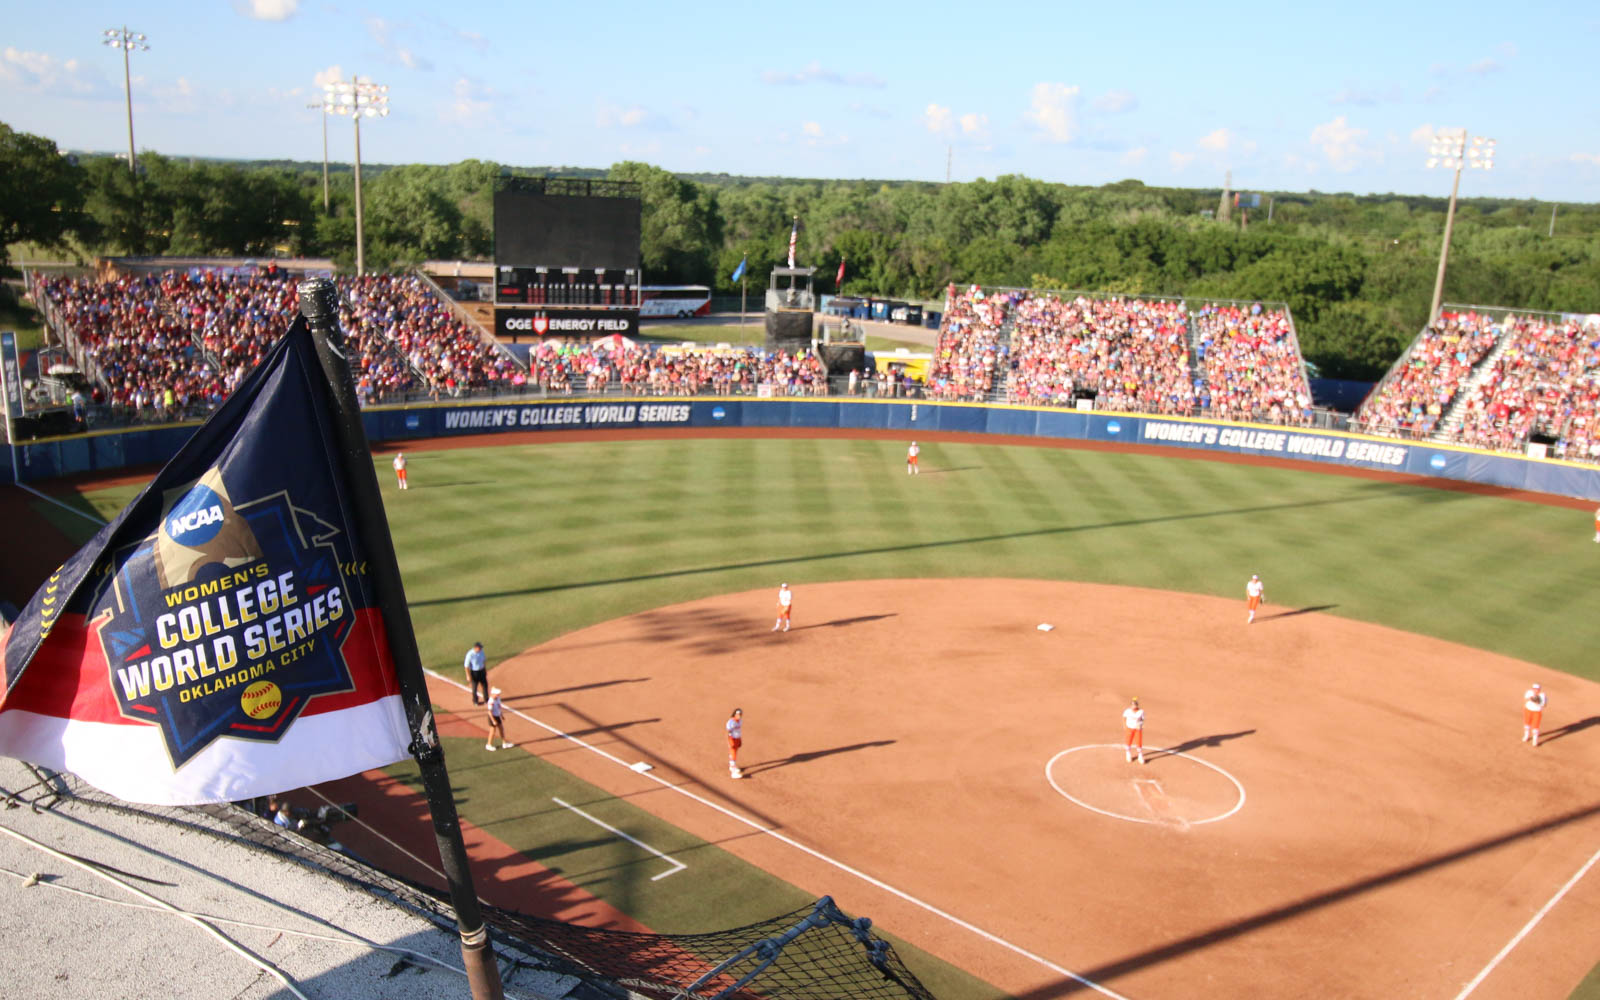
{"x":512,"y":546}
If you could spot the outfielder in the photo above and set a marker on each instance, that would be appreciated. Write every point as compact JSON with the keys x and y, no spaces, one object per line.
{"x":400,"y":468}
{"x":735,"y":741}
{"x":1133,"y":726}
{"x":912,"y":470}
{"x":1253,"y":594}
{"x":1533,"y":703}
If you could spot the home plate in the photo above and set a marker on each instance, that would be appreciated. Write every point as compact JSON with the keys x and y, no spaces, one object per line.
{"x":1045,"y":627}
{"x":641,"y":767}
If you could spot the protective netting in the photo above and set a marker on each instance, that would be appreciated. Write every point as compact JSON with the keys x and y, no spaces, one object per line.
{"x":813,"y":953}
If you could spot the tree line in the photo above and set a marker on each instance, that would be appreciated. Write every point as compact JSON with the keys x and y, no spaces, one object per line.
{"x":1357,"y":271}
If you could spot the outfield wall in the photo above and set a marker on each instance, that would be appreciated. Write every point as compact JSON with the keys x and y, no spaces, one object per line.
{"x":107,"y":451}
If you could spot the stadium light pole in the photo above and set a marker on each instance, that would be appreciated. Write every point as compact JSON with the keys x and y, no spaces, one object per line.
{"x":1452,"y":150}
{"x":359,"y":99}
{"x":127,"y":41}
{"x":324,"y":109}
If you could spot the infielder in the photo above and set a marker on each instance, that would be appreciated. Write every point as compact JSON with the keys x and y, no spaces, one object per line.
{"x":785,"y":605}
{"x":735,"y":741}
{"x":400,"y":468}
{"x":1253,"y":592}
{"x":912,"y":470}
{"x":1133,"y":726}
{"x":497,"y":724}
{"x":1533,"y":703}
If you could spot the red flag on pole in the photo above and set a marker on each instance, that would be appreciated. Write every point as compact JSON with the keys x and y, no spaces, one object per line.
{"x":794,"y":236}
{"x":838,"y":280}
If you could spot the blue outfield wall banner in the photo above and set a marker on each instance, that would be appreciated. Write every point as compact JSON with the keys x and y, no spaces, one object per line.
{"x":107,"y":451}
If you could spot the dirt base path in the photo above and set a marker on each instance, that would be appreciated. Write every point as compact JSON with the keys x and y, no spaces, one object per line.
{"x":1327,"y":807}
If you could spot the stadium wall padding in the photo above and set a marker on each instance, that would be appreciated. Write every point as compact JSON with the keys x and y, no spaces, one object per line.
{"x":107,"y":451}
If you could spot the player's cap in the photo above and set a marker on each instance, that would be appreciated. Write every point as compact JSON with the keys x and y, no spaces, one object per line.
{"x":1254,"y":577}
{"x":1536,"y":685}
{"x":783,"y":584}
{"x":494,"y":690}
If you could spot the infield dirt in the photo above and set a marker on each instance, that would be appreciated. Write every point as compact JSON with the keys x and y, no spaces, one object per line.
{"x":1394,"y":834}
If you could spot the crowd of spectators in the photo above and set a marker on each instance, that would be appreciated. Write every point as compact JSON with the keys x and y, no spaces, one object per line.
{"x":969,"y":358}
{"x":1545,"y":382}
{"x":1250,"y":365}
{"x":177,"y":344}
{"x":639,"y":371}
{"x":1411,"y":401}
{"x":1130,"y":354}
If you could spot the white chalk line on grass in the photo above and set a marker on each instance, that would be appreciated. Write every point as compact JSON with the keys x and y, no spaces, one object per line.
{"x":1527,"y":928}
{"x":94,"y":518}
{"x":840,"y":865}
{"x":677,"y":866}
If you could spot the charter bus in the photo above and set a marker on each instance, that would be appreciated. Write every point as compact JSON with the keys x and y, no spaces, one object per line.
{"x":681,"y":301}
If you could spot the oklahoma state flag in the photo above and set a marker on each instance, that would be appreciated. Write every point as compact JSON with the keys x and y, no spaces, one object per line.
{"x":219,"y":639}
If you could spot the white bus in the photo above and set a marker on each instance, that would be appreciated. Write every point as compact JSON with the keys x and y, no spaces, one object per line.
{"x":681,"y":301}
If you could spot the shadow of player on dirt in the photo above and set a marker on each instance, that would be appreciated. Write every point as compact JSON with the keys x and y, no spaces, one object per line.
{"x":809,"y":755}
{"x":1568,"y":729}
{"x":1313,"y":609}
{"x":1196,"y":743}
{"x":841,"y":622}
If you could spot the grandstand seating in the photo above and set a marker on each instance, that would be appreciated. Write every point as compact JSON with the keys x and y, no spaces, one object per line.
{"x":1251,"y":362}
{"x":1412,"y":400}
{"x":1545,"y":381}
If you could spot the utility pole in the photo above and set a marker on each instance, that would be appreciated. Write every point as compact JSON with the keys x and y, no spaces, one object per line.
{"x":1225,"y":209}
{"x":127,"y":41}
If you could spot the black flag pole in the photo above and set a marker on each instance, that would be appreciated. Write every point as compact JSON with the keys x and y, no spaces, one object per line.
{"x":319,"y":305}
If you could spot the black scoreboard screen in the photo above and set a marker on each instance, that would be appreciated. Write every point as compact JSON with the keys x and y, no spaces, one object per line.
{"x":565,"y":231}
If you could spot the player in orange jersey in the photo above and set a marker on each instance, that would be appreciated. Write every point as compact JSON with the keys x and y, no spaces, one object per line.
{"x":1254,"y":592}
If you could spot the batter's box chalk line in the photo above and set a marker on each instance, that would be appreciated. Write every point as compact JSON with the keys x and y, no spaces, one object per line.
{"x":1143,"y":784}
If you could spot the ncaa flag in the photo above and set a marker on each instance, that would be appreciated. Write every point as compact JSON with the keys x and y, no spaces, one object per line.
{"x":219,"y":639}
{"x":794,"y":236}
{"x":738,"y":272}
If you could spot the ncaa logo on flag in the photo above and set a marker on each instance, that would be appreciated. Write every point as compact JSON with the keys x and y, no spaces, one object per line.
{"x":196,"y":519}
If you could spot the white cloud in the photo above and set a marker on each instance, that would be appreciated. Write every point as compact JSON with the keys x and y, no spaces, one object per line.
{"x":1134,"y":157}
{"x":1180,"y":161}
{"x":813,"y":135}
{"x":383,"y":33}
{"x":938,"y":118}
{"x":1592,"y":159}
{"x":941,"y":120}
{"x":1341,"y":143}
{"x":1054,"y":109}
{"x":815,"y":73}
{"x":609,"y":115}
{"x":1483,"y":67}
{"x":1423,"y":135}
{"x":39,"y":72}
{"x":1216,"y":142}
{"x":268,"y":10}
{"x":811,"y":129}
{"x":973,"y":123}
{"x":473,"y":39}
{"x":470,"y":102}
{"x":1115,"y":102}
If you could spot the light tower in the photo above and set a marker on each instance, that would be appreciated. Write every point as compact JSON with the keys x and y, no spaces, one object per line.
{"x":358,"y":98}
{"x":127,"y":41}
{"x":1452,"y":150}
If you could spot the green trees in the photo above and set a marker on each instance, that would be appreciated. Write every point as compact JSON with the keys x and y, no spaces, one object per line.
{"x":1357,"y":271}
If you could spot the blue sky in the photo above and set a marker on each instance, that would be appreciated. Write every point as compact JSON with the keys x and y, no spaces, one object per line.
{"x":1342,"y":99}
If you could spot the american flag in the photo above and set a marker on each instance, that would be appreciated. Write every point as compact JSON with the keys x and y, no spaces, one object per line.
{"x":794,"y":236}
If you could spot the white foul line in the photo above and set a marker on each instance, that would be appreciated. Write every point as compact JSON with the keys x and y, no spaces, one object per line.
{"x":1528,"y":927}
{"x":678,"y":866}
{"x":863,"y":876}
{"x":95,"y":519}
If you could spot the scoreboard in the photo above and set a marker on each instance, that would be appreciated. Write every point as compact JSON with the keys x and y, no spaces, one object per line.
{"x":567,"y":244}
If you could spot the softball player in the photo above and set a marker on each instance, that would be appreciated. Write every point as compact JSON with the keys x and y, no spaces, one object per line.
{"x":1253,"y":592}
{"x":735,"y":741}
{"x":1533,"y":703}
{"x":1133,"y":726}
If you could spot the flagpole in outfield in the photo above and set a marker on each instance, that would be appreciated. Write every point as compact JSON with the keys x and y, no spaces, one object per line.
{"x":318,"y":304}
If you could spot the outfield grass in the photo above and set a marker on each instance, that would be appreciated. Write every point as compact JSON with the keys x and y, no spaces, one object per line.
{"x":516,"y":545}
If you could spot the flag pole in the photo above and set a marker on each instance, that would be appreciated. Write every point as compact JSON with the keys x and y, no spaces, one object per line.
{"x":318,"y":304}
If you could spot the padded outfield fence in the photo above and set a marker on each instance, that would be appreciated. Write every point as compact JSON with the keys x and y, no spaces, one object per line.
{"x":109,"y":451}
{"x":813,"y":953}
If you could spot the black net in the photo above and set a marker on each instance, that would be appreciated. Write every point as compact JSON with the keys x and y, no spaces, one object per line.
{"x":814,"y":953}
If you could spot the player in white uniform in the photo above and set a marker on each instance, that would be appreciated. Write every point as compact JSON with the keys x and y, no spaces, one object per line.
{"x":400,"y":468}
{"x":1253,"y":593}
{"x":911,"y":460}
{"x":735,"y":741}
{"x":1533,"y":703}
{"x":785,"y":604}
{"x":1133,"y":724}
